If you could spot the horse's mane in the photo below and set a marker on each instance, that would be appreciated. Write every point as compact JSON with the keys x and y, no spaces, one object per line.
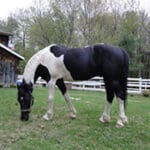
{"x":32,"y":64}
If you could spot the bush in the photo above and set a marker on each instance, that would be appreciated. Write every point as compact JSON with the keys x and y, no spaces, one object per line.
{"x":1,"y":85}
{"x":146,"y":93}
{"x":13,"y":86}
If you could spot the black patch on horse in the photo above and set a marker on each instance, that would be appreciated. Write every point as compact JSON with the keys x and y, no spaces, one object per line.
{"x":61,"y":85}
{"x":58,"y":50}
{"x":43,"y":72}
{"x":80,"y":63}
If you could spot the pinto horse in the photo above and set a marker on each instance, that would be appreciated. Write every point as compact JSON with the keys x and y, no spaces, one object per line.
{"x":57,"y":63}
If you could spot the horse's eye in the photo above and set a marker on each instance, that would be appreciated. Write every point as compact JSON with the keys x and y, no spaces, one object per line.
{"x":21,"y":98}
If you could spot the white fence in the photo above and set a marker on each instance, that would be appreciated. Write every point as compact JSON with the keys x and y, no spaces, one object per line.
{"x":135,"y":85}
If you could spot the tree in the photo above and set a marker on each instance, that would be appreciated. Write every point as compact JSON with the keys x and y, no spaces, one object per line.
{"x":10,"y":25}
{"x":84,"y":22}
{"x":144,"y":44}
{"x":129,"y":37}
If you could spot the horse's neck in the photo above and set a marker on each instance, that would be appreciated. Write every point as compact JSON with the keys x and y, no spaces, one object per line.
{"x":30,"y":69}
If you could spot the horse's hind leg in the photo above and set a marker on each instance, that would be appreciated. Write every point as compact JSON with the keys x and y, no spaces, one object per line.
{"x":110,"y":95}
{"x":61,"y":85}
{"x":120,"y":91}
{"x":122,"y":119}
{"x":106,"y":114}
{"x":51,"y":86}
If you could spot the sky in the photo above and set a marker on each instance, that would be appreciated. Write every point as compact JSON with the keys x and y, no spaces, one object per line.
{"x":145,"y":4}
{"x":10,"y":6}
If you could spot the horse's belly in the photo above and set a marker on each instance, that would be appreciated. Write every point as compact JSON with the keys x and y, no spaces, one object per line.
{"x":65,"y":74}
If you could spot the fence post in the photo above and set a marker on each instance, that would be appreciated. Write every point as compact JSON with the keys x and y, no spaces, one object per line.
{"x":140,"y":85}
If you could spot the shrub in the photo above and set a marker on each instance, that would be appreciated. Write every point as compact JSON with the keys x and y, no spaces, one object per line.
{"x":13,"y":86}
{"x":1,"y":85}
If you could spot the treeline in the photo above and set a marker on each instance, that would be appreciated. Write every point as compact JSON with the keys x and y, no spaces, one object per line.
{"x":84,"y":22}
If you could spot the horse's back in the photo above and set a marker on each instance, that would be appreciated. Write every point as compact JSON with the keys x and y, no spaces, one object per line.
{"x":98,"y":60}
{"x":87,"y":62}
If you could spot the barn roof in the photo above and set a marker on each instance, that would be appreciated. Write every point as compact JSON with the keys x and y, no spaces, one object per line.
{"x":6,"y":33}
{"x":11,"y":52}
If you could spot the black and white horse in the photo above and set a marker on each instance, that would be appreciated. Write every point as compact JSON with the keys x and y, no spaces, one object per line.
{"x":57,"y":63}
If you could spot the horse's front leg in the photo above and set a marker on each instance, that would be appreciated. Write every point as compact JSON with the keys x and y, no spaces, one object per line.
{"x":70,"y":105}
{"x":61,"y":85}
{"x":49,"y":113}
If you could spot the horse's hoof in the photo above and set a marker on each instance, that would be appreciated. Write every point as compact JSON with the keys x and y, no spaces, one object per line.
{"x":119,"y":125}
{"x":45,"y":117}
{"x":125,"y":121}
{"x":104,"y":119}
{"x":73,"y":116}
{"x":121,"y":122}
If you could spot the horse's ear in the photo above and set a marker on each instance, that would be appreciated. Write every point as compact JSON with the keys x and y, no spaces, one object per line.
{"x":19,"y":84}
{"x":23,"y":81}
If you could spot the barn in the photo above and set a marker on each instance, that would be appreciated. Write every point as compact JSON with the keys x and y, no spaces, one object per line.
{"x":9,"y":61}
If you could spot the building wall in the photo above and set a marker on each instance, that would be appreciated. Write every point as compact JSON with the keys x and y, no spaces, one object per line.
{"x":8,"y":69}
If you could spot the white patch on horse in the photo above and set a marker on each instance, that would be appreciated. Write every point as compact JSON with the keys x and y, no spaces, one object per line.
{"x":55,"y":65}
{"x":106,"y":114}
{"x":31,"y":67}
{"x":122,"y":119}
{"x":61,"y":70}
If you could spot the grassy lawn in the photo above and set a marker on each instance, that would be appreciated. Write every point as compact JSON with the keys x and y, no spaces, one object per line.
{"x":83,"y":133}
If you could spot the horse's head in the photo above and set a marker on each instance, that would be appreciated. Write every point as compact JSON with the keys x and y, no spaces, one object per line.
{"x":25,"y":98}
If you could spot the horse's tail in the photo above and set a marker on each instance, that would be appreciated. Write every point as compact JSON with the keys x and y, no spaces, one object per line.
{"x":124,"y":76}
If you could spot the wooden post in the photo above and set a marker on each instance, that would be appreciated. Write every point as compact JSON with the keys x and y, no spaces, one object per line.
{"x":140,"y":85}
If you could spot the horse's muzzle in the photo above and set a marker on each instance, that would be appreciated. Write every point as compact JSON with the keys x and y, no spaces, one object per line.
{"x":25,"y":116}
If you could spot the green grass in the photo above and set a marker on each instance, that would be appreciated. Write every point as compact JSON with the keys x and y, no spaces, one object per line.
{"x":83,"y":133}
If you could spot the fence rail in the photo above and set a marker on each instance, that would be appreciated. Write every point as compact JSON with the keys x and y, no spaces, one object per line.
{"x":135,"y":85}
